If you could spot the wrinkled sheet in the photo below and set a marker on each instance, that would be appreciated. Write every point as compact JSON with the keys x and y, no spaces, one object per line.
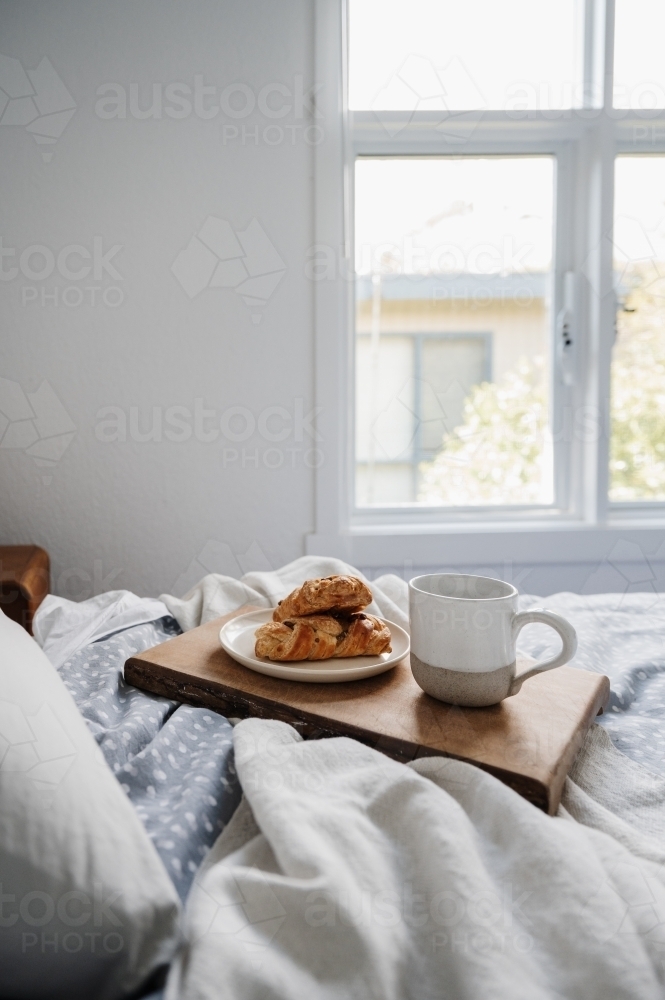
{"x":217,"y":595}
{"x":61,"y":627}
{"x":346,"y":874}
{"x":623,"y":636}
{"x":175,"y":762}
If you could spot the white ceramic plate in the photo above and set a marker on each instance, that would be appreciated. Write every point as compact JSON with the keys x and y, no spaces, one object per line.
{"x":237,"y":638}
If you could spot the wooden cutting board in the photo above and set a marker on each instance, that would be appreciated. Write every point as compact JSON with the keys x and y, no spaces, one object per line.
{"x":529,"y":741}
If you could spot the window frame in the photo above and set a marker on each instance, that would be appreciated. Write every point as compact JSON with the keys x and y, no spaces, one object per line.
{"x":563,"y":504}
{"x":584,"y":143}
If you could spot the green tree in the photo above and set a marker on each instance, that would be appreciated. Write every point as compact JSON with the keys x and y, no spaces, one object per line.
{"x":500,"y":454}
{"x":637,"y":449}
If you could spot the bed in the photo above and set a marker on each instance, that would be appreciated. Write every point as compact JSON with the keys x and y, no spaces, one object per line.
{"x":323,"y":869}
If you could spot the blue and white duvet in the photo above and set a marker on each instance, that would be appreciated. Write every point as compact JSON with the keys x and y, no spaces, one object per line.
{"x":176,"y":763}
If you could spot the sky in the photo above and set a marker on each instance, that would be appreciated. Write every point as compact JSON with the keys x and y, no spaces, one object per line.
{"x":435,"y":215}
{"x":486,"y":215}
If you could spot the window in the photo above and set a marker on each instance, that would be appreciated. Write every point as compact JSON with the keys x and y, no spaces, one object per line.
{"x":453,"y":330}
{"x":492,"y":352}
{"x":445,"y":55}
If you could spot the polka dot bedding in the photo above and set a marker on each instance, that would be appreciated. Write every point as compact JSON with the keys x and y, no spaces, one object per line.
{"x":623,"y":636}
{"x":175,"y":762}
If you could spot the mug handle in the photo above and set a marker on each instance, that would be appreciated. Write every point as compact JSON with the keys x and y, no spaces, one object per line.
{"x":560,"y":625}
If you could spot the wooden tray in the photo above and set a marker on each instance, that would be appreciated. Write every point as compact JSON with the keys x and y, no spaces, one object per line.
{"x":529,"y":741}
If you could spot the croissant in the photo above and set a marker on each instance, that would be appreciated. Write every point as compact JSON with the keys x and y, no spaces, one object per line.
{"x":365,"y":636}
{"x":313,"y":638}
{"x":321,"y":637}
{"x":341,"y":593}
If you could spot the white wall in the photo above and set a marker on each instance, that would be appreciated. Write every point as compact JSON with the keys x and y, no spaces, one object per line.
{"x":130,"y":513}
{"x":156,"y":515}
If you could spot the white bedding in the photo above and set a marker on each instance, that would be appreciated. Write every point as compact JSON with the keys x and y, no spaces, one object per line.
{"x":87,"y":908}
{"x":344,"y":874}
{"x":507,"y":903}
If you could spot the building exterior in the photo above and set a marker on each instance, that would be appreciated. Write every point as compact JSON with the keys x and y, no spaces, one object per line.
{"x":422,"y":343}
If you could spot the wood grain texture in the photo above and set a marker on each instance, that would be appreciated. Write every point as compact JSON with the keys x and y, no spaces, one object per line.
{"x":529,"y":741}
{"x":24,"y":581}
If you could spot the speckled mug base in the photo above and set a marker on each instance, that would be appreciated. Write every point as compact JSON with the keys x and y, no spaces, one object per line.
{"x":461,"y":687}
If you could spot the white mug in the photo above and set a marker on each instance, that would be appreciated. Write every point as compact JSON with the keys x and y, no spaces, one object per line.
{"x":463,"y":635}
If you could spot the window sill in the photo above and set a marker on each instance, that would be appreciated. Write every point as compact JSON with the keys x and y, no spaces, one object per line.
{"x":623,"y":540}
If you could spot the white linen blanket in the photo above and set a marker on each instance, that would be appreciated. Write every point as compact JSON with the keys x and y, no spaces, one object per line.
{"x":345,"y":874}
{"x":217,"y":595}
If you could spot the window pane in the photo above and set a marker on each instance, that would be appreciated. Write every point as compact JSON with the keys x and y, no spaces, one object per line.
{"x":639,"y":68}
{"x":453,"y":268}
{"x":442,"y":55}
{"x":637,"y":452}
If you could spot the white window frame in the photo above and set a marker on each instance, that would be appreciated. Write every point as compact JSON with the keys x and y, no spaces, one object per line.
{"x":582,"y":526}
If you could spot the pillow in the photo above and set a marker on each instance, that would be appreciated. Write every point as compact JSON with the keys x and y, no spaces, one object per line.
{"x":86,"y":907}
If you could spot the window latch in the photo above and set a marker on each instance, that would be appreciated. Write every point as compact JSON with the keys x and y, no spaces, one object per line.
{"x":566,"y":334}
